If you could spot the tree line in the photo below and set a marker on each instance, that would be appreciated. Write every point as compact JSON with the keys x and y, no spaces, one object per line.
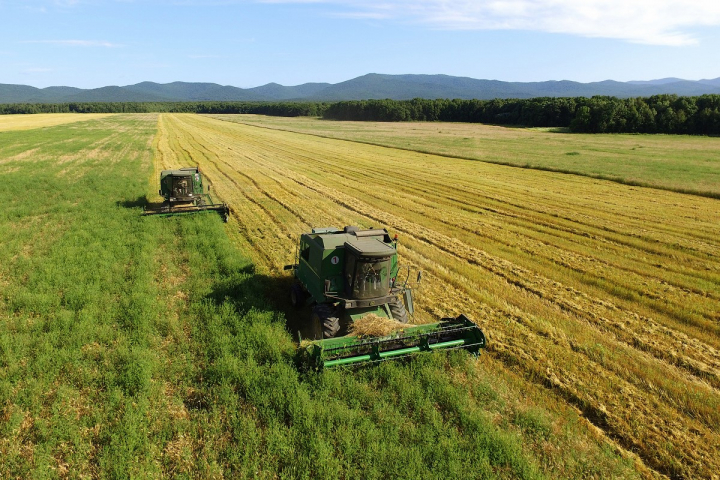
{"x":600,"y":114}
{"x":670,"y":114}
{"x":281,"y":109}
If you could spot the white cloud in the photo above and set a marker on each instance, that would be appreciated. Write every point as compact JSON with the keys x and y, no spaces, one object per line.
{"x":656,"y":22}
{"x":77,"y":43}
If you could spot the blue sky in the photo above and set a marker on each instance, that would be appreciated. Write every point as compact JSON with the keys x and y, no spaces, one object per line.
{"x":247,"y":43}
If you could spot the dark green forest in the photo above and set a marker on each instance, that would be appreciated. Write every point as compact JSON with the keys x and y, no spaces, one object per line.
{"x":656,"y":114}
{"x":670,"y":114}
{"x":279,"y":109}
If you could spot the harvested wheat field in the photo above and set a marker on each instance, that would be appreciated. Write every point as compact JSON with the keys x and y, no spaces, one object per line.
{"x":40,"y":120}
{"x":681,"y":163}
{"x":605,"y":295}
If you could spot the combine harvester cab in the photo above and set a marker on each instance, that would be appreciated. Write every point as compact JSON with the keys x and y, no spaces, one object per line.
{"x":350,"y":277}
{"x":183,"y":192}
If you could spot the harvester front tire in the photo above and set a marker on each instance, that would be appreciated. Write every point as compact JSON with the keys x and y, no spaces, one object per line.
{"x":397,"y":309}
{"x":331,"y":327}
{"x":326,"y":316}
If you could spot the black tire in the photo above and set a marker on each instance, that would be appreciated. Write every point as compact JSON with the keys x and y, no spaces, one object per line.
{"x":331,"y":327}
{"x":397,"y":309}
{"x":326,"y":316}
{"x":297,"y":295}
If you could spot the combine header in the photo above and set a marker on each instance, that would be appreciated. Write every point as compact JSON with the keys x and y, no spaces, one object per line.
{"x":450,"y":333}
{"x":350,"y":276}
{"x":184,"y":193}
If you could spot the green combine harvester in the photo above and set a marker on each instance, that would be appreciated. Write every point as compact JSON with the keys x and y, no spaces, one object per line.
{"x":183,"y":192}
{"x":348,"y":275}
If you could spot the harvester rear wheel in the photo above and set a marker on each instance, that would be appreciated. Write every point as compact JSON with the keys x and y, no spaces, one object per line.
{"x":326,"y":316}
{"x":397,"y":309}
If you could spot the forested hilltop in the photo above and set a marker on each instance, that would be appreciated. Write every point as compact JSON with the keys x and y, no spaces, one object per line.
{"x":371,"y":86}
{"x":669,"y":114}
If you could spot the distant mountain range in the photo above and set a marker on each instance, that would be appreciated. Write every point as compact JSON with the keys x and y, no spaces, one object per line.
{"x":373,"y":85}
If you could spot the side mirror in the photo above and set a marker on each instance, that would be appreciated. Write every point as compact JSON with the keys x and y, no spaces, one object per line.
{"x":419,"y":277}
{"x":159,"y":192}
{"x":209,"y":187}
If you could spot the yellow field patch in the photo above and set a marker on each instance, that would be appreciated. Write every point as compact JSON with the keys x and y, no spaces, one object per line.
{"x":604,"y":294}
{"x":40,"y":120}
{"x":684,"y":163}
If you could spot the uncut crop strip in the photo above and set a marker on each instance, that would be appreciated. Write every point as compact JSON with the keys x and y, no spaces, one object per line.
{"x":40,"y":120}
{"x":606,"y":294}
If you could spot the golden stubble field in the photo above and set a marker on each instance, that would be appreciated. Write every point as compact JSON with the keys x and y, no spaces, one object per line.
{"x":606,"y":295}
{"x":680,"y":163}
{"x":40,"y":120}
